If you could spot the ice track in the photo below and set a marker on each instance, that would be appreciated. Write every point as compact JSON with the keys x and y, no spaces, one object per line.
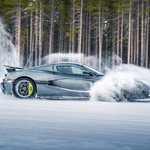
{"x":73,"y":125}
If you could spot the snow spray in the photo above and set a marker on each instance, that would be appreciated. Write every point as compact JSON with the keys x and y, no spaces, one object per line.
{"x":122,"y":76}
{"x":71,"y":57}
{"x":7,"y":50}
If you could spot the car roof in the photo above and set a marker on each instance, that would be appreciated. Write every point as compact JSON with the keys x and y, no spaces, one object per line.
{"x":70,"y":63}
{"x":50,"y":66}
{"x":56,"y":63}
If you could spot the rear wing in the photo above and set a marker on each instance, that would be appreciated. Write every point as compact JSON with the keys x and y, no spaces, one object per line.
{"x":11,"y":68}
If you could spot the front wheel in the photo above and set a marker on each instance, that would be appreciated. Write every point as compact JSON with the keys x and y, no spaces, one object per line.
{"x":24,"y":88}
{"x":120,"y":96}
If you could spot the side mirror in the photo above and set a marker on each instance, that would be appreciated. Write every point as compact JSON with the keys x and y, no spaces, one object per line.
{"x":87,"y":73}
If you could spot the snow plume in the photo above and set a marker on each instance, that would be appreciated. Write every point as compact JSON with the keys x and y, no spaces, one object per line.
{"x":93,"y":61}
{"x":61,"y":57}
{"x":122,"y":76}
{"x":7,"y":50}
{"x":72,"y":57}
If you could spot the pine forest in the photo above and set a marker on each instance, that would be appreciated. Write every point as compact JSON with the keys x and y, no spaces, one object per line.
{"x":105,"y":29}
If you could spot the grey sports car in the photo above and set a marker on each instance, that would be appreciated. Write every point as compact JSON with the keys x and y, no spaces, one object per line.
{"x":56,"y":80}
{"x":62,"y":81}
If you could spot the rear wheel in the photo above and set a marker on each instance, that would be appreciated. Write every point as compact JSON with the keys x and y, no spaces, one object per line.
{"x":24,"y":88}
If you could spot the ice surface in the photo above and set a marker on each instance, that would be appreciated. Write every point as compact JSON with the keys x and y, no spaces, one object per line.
{"x":73,"y":125}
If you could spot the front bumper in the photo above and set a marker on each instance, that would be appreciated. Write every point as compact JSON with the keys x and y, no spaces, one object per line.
{"x":6,"y":87}
{"x":2,"y":87}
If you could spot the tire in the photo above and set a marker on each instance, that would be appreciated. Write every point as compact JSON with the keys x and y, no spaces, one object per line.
{"x":24,"y":88}
{"x":120,"y":96}
{"x":117,"y":97}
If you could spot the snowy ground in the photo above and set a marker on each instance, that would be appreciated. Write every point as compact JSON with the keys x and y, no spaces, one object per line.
{"x":73,"y":125}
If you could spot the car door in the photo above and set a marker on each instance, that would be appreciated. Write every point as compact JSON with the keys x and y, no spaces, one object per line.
{"x":73,"y":77}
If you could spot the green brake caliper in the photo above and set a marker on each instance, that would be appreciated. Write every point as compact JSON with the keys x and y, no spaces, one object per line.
{"x":120,"y":93}
{"x":30,"y":88}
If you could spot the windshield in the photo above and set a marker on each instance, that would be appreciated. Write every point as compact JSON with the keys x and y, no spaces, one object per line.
{"x":93,"y":71}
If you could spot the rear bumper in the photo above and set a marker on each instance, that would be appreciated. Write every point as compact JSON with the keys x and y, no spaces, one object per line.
{"x":6,"y":87}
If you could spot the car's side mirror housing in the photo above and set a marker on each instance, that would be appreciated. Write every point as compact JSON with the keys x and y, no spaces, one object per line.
{"x":87,"y":73}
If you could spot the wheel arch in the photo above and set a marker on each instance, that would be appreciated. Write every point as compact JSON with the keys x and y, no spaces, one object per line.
{"x":24,"y":77}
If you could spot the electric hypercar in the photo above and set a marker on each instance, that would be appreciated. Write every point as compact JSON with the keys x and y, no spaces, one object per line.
{"x":56,"y":80}
{"x":63,"y":80}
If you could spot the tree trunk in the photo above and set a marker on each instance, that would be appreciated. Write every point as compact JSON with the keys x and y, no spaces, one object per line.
{"x":142,"y":35}
{"x":36,"y":38}
{"x":137,"y":38}
{"x":118,"y":33}
{"x":51,"y":36}
{"x":73,"y":27}
{"x":129,"y":34}
{"x":100,"y":37}
{"x":147,"y":33}
{"x":131,"y":43}
{"x":80,"y":28}
{"x":89,"y":33}
{"x":121,"y":38}
{"x":40,"y":34}
{"x":30,"y":59}
{"x":18,"y":33}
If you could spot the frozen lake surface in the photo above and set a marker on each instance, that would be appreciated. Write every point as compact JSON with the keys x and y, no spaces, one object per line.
{"x":73,"y":125}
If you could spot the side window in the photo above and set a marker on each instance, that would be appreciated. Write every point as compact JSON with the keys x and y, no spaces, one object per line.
{"x":77,"y":70}
{"x":46,"y":68}
{"x":64,"y":69}
{"x":70,"y":70}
